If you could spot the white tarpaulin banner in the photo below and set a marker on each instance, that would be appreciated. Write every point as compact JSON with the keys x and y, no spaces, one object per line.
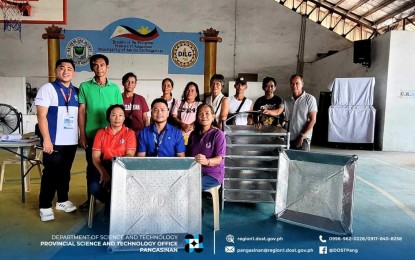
{"x":351,"y":114}
{"x":352,"y":91}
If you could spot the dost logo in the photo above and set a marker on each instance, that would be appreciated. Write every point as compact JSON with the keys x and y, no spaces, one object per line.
{"x":184,"y":54}
{"x":194,"y":243}
{"x":79,"y":50}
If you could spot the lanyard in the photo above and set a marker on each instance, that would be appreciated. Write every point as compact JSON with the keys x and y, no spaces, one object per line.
{"x":159,"y":141}
{"x":66,"y":98}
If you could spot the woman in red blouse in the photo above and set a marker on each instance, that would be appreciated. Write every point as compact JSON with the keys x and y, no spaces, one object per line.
{"x":115,"y":140}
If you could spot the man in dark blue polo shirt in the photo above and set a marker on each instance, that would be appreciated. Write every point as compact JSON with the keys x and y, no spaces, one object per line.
{"x":160,"y":139}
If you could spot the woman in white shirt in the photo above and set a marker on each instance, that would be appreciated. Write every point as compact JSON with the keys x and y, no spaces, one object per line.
{"x":217,"y":100}
{"x":167,"y":86}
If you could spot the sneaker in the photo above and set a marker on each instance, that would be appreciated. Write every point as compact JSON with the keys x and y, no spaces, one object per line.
{"x":66,"y":206}
{"x":46,"y":214}
{"x":84,"y":207}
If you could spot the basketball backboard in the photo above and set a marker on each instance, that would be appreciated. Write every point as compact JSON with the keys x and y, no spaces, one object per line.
{"x":42,"y":12}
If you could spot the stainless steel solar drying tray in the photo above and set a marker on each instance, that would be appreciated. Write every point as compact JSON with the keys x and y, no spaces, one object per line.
{"x":153,"y":196}
{"x":315,"y":190}
{"x":251,"y":163}
{"x":248,"y":134}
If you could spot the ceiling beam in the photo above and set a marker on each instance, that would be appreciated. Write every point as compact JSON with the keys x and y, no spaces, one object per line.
{"x":339,"y":3}
{"x":411,"y":21}
{"x":354,"y":27}
{"x":406,"y":19}
{"x":324,"y":18}
{"x":377,"y":8}
{"x":395,"y":12}
{"x":334,"y":27}
{"x":311,"y":12}
{"x":298,"y":6}
{"x":357,"y":5}
{"x":343,"y":13}
{"x":397,"y":21}
{"x":336,"y":8}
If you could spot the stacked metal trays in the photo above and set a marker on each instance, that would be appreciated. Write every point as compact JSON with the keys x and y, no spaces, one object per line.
{"x":251,"y":163}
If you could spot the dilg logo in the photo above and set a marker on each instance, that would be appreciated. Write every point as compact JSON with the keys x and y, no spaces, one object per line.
{"x":79,"y":50}
{"x":194,"y":243}
{"x":184,"y":54}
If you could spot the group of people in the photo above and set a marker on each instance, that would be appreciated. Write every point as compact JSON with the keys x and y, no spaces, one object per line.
{"x":100,"y":111}
{"x":299,"y":109}
{"x":113,"y":124}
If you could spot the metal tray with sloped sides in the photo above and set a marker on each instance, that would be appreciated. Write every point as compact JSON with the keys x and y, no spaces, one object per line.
{"x":315,"y":190}
{"x":154,"y":198}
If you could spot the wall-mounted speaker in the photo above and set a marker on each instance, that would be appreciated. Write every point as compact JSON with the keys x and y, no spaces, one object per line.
{"x":362,"y":52}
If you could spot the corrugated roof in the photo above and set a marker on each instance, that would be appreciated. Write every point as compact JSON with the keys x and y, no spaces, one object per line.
{"x":357,"y":19}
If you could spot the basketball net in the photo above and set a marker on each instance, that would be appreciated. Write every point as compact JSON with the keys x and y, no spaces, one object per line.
{"x":12,"y":14}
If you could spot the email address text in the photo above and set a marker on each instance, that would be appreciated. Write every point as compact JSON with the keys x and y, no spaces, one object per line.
{"x":275,"y":250}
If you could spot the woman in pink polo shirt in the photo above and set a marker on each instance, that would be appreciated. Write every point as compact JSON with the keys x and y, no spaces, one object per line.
{"x":184,"y":110}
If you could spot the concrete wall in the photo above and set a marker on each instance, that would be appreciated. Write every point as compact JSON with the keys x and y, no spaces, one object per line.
{"x":321,"y":73}
{"x":379,"y":70}
{"x":15,"y":98}
{"x":318,"y":75}
{"x":392,"y":67}
{"x":258,"y":37}
{"x":399,"y":127}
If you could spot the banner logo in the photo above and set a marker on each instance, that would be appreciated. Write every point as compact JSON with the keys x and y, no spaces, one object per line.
{"x":322,"y":250}
{"x":229,"y":249}
{"x":184,"y":54}
{"x":183,"y":51}
{"x":194,"y":243}
{"x":230,"y":238}
{"x":79,"y":50}
{"x":143,"y":34}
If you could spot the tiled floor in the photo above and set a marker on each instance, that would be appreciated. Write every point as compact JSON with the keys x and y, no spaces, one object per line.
{"x":384,"y":208}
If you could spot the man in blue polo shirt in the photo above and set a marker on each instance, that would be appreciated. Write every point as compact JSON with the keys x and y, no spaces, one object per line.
{"x":57,"y":115}
{"x":160,"y":139}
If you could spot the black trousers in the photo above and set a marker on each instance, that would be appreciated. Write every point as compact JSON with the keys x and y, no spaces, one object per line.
{"x":91,"y":171}
{"x":99,"y":192}
{"x":56,"y":174}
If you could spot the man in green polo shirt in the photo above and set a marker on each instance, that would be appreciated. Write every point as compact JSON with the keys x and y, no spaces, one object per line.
{"x":95,"y":96}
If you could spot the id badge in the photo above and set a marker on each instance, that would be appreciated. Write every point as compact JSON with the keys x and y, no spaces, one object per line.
{"x":68,"y":122}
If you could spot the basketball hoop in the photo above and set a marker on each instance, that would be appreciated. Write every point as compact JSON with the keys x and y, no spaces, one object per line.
{"x":12,"y":14}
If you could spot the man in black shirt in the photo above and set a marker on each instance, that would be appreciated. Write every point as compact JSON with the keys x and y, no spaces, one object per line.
{"x":269,"y":104}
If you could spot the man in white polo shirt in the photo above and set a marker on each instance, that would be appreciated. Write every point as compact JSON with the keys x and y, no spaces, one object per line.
{"x":57,"y":115}
{"x":301,"y":110}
